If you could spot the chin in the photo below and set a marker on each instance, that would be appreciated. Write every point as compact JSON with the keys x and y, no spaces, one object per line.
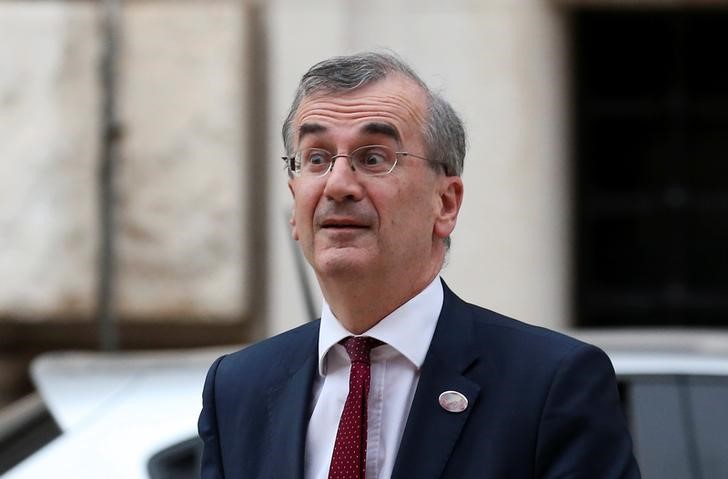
{"x":342,"y":261}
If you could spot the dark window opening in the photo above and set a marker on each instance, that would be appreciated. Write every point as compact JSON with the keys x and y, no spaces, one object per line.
{"x":650,"y":112}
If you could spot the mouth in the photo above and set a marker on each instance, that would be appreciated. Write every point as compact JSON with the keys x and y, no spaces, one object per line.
{"x":341,"y":224}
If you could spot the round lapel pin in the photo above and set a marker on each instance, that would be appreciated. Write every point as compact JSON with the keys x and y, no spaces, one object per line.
{"x":453,"y":401}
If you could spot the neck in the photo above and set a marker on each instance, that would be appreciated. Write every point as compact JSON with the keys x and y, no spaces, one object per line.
{"x":359,"y":304}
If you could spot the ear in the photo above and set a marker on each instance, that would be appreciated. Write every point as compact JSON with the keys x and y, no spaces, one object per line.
{"x":450,"y":196}
{"x":292,"y":220}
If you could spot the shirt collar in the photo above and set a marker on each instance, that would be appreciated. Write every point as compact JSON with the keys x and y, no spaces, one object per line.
{"x":418,"y":314}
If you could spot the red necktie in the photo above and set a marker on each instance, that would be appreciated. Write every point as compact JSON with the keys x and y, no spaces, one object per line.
{"x":350,"y":449}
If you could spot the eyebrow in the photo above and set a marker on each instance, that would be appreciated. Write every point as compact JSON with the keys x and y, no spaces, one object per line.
{"x":374,"y":128}
{"x":381,"y":129}
{"x":309,"y":129}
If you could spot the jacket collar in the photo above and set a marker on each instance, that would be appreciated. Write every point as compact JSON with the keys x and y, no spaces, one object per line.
{"x":429,"y":427}
{"x":289,"y":410}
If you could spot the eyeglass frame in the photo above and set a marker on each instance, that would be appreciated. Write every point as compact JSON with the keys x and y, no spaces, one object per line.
{"x":288,"y":160}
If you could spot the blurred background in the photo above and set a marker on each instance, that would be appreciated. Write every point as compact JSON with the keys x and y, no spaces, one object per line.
{"x":143,"y":204}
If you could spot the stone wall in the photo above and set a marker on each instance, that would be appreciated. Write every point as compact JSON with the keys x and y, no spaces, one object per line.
{"x":180,"y":177}
{"x":49,"y":141}
{"x":189,"y":87}
{"x":180,"y":193}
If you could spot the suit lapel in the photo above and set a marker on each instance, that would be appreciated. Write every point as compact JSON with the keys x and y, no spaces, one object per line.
{"x":288,"y":414}
{"x":431,"y":432}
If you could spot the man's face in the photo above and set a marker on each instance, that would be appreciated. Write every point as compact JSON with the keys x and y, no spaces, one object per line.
{"x":349,"y":223}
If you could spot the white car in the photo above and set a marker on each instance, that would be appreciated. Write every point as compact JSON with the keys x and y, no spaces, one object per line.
{"x":674,"y":389}
{"x":113,"y":411}
{"x":133,"y":415}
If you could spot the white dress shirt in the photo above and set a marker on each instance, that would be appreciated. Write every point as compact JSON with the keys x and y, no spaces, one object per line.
{"x":395,"y":371}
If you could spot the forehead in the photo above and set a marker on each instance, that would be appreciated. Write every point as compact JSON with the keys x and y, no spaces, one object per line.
{"x":395,"y":101}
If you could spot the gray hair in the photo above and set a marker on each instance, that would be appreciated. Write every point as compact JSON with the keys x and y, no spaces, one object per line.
{"x":443,"y":130}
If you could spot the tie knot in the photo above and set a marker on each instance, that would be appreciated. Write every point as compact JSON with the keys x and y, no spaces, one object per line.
{"x":359,"y":347}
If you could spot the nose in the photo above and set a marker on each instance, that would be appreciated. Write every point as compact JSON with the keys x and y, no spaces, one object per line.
{"x":342,"y":182}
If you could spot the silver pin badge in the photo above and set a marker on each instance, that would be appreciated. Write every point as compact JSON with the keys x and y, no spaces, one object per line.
{"x":453,"y":401}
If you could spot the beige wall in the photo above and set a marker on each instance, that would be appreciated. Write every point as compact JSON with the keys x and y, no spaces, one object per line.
{"x":501,"y":63}
{"x":182,"y":249}
{"x":187,"y":243}
{"x":49,"y":120}
{"x":181,"y":197}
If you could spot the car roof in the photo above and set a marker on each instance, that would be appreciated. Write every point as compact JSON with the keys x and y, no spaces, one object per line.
{"x":662,"y":352}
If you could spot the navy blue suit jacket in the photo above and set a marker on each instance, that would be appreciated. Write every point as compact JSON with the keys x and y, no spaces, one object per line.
{"x":541,"y":405}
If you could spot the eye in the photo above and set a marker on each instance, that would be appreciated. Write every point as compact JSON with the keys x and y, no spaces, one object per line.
{"x":316,"y":158}
{"x":372,"y":158}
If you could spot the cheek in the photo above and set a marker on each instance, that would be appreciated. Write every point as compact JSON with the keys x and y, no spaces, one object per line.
{"x":401,"y":213}
{"x":416,"y":213}
{"x":303,"y":212}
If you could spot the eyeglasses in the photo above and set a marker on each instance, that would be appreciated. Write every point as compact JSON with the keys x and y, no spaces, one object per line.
{"x":369,"y":160}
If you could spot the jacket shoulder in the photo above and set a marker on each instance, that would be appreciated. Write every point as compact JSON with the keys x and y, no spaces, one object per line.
{"x":491,"y":322}
{"x":497,"y":335}
{"x":271,"y":359}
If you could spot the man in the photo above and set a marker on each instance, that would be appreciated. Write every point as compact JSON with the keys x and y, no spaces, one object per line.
{"x":445,"y":389}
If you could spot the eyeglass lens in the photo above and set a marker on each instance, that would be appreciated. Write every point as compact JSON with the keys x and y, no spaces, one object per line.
{"x":370,"y":160}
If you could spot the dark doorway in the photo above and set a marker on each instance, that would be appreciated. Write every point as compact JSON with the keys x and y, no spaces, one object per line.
{"x":650,"y":112}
